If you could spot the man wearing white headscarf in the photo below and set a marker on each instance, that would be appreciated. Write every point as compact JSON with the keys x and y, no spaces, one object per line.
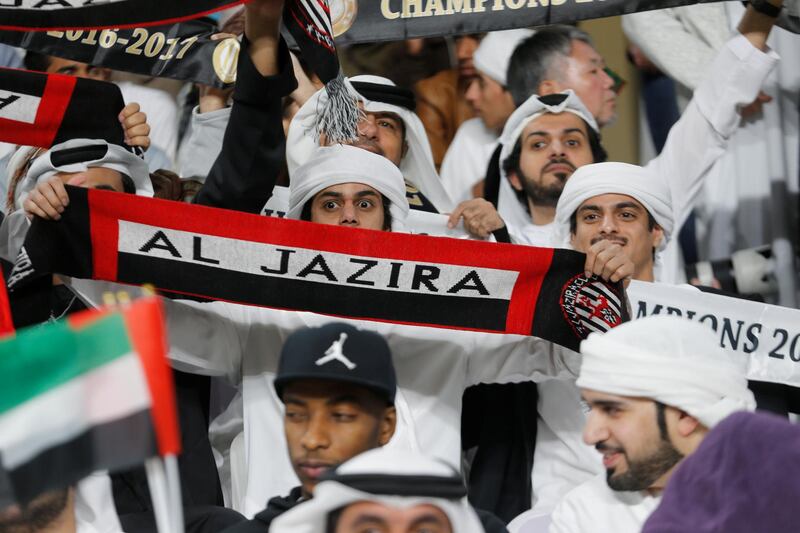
{"x":655,"y":387}
{"x":391,"y":488}
{"x":696,"y":141}
{"x":464,"y":164}
{"x":389,"y":128}
{"x":620,"y":215}
{"x":349,"y":186}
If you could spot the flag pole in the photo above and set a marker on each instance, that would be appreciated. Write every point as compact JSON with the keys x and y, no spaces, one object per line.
{"x":174,"y":488}
{"x":159,"y":493}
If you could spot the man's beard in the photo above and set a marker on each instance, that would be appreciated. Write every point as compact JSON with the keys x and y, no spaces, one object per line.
{"x":641,"y":474}
{"x":546,"y":195}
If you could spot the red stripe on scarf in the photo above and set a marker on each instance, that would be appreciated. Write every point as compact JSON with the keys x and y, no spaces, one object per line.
{"x":107,"y":208}
{"x":49,"y":115}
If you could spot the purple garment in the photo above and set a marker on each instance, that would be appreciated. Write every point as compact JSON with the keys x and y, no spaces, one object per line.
{"x":744,"y":478}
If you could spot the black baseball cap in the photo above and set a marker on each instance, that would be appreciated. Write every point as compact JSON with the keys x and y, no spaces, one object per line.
{"x":338,"y":352}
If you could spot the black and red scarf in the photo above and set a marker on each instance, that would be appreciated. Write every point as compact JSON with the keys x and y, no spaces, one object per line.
{"x":287,"y":264}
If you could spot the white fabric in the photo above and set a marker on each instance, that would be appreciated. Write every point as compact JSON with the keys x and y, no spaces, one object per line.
{"x":416,"y":166}
{"x":162,"y":115}
{"x":671,"y":360}
{"x":334,"y":165}
{"x":433,"y":368}
{"x":466,"y":159}
{"x":594,"y":507}
{"x":312,"y":516}
{"x":596,"y":179}
{"x":695,"y":142}
{"x":116,"y":158}
{"x":744,"y":198}
{"x":494,"y":53}
{"x":201,"y":147}
{"x":94,"y":505}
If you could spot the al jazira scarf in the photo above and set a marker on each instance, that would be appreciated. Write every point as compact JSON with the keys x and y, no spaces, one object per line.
{"x":302,"y":266}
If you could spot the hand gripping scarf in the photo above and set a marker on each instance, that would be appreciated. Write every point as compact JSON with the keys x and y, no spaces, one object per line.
{"x":333,"y":270}
{"x":671,"y":360}
{"x":393,"y":478}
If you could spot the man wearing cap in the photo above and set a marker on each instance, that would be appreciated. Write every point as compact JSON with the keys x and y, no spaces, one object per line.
{"x":654,"y":388}
{"x":464,"y":164}
{"x":338,"y":385}
{"x":386,"y":490}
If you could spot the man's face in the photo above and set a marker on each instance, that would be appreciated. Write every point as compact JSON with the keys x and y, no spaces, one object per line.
{"x":381,"y":133}
{"x":465,"y":49}
{"x":551,"y":148}
{"x":59,"y":65}
{"x":94,"y":178}
{"x":583,"y":73}
{"x":625,"y":430}
{"x":372,"y":517}
{"x":622,"y":220}
{"x":349,"y":204}
{"x":328,"y":422}
{"x":490,"y":100}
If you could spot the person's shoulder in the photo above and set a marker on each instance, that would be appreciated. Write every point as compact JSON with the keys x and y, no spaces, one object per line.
{"x":473,"y":130}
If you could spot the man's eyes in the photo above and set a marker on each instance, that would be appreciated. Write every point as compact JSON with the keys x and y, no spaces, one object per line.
{"x":365,"y":204}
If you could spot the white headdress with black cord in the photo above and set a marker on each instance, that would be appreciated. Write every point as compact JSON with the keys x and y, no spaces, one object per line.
{"x":509,"y":206}
{"x":78,"y":155}
{"x":394,"y":478}
{"x":378,"y":95}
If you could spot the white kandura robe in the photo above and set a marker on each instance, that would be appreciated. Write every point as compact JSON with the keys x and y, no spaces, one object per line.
{"x":594,"y":507}
{"x":561,"y":459}
{"x":433,"y":366}
{"x":745,"y":200}
{"x":465,"y":162}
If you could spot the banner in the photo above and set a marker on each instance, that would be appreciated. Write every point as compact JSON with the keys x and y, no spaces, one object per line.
{"x":768,"y":336}
{"x":356,"y":21}
{"x":338,"y":271}
{"x":37,"y":15}
{"x":182,"y":51}
{"x":39,"y":109}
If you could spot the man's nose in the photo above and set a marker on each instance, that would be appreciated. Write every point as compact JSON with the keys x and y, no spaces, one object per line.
{"x":473,"y":92}
{"x":348,"y":215}
{"x":367,"y":127}
{"x":608,"y":224}
{"x":316,"y":435}
{"x":594,"y":431}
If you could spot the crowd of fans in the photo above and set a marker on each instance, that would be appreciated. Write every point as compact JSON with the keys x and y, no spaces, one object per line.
{"x":295,"y":422}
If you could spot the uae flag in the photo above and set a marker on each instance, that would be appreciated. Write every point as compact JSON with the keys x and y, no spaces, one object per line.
{"x":90,"y":393}
{"x":288,"y":264}
{"x":39,"y":109}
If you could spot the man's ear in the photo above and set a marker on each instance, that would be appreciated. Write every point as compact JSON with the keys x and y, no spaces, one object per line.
{"x":658,"y":236}
{"x":549,"y":87}
{"x":514,"y":180}
{"x":687,"y":424}
{"x":405,"y":149}
{"x":388,"y":425}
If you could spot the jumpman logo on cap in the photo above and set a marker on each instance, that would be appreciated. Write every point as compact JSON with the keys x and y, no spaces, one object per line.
{"x":334,"y":353}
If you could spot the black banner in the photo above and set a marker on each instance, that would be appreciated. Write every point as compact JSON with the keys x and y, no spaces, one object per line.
{"x":356,"y":21}
{"x":182,"y":51}
{"x":37,"y":15}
